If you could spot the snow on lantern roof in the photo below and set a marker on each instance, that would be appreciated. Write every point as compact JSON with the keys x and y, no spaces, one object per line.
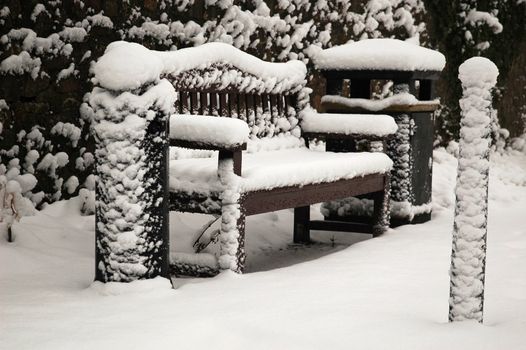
{"x":379,"y":54}
{"x":127,"y":66}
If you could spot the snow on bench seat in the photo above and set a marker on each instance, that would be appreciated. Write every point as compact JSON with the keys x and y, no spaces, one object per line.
{"x":379,"y":54}
{"x":379,"y":125}
{"x":217,"y":131}
{"x":283,"y":168}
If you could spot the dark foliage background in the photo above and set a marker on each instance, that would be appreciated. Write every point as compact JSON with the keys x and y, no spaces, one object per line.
{"x":51,"y":91}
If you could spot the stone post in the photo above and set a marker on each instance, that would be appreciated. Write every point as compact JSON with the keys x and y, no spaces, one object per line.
{"x":468,"y":259}
{"x":132,"y":146}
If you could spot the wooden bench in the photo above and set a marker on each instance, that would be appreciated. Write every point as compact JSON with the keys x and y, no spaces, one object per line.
{"x":250,"y":155}
{"x":271,"y":167}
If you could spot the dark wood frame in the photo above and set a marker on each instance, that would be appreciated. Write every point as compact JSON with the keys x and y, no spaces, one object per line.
{"x":361,"y":81}
{"x":232,"y":101}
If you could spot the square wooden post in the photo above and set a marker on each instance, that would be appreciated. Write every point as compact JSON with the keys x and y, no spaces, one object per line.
{"x":301,"y":225}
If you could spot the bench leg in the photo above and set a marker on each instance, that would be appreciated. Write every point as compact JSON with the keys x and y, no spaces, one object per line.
{"x":301,"y":225}
{"x":232,"y":235}
{"x":381,"y":215}
{"x":232,"y":238}
{"x":240,"y":252}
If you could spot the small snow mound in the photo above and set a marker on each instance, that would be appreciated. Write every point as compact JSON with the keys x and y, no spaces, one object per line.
{"x":134,"y":287}
{"x":347,"y":124}
{"x":13,"y":187}
{"x":220,"y":131}
{"x":127,"y":66}
{"x":478,"y":69}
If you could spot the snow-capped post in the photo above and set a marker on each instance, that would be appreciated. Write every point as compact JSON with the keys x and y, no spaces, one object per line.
{"x":478,"y":76}
{"x":130,"y":107}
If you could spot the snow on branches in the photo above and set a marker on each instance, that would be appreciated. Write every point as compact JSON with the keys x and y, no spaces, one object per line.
{"x":13,"y":205}
{"x":478,"y":76}
{"x":51,"y":62}
{"x":479,"y":26}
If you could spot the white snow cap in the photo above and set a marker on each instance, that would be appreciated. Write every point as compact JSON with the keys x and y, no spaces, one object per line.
{"x":478,"y":69}
{"x":348,"y":124}
{"x":218,"y":131}
{"x":13,"y":187}
{"x":193,"y":57}
{"x":127,"y":66}
{"x":379,"y":54}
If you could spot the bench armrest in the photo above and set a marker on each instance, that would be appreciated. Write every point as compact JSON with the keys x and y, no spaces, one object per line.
{"x":348,"y":126}
{"x":208,"y":132}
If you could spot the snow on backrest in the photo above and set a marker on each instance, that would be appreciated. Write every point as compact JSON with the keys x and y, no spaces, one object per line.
{"x":266,"y":97}
{"x":216,"y":79}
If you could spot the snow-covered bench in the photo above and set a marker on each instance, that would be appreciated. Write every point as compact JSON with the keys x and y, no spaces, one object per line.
{"x":259,"y":122}
{"x":242,"y":127}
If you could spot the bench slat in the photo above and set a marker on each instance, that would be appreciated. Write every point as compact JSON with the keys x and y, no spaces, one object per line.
{"x":203,"y":103}
{"x":339,"y":226}
{"x":251,"y":110}
{"x":223,"y":105}
{"x":274,"y":107}
{"x":293,"y":197}
{"x":193,"y":103}
{"x":242,"y":105}
{"x":213,"y":110}
{"x":232,"y":105}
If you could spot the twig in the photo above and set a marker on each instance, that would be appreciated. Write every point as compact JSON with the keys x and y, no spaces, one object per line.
{"x":198,"y":245}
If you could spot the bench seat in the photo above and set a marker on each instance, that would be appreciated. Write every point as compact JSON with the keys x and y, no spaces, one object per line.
{"x":276,"y":169}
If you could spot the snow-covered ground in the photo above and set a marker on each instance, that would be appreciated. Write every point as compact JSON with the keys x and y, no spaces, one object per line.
{"x":346,"y":291}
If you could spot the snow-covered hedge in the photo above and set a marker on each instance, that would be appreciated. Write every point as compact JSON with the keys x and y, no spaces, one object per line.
{"x":47,"y":50}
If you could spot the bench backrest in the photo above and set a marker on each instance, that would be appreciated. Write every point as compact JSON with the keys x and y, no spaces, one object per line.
{"x":269,"y":102}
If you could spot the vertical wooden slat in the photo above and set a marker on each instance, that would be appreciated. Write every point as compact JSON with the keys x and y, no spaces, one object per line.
{"x":258,"y":112}
{"x":251,"y":110}
{"x":266,"y":119}
{"x":183,"y":102}
{"x":273,"y":106}
{"x":193,"y":102}
{"x":290,"y":101}
{"x":180,"y":103}
{"x":223,"y":106}
{"x":233,"y":105}
{"x":265,"y":103}
{"x":280,"y":104}
{"x":258,"y":107}
{"x":203,"y":103}
{"x":213,"y":104}
{"x":242,"y":109}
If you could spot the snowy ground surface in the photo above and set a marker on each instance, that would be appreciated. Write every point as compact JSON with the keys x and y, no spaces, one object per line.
{"x":346,"y":291}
